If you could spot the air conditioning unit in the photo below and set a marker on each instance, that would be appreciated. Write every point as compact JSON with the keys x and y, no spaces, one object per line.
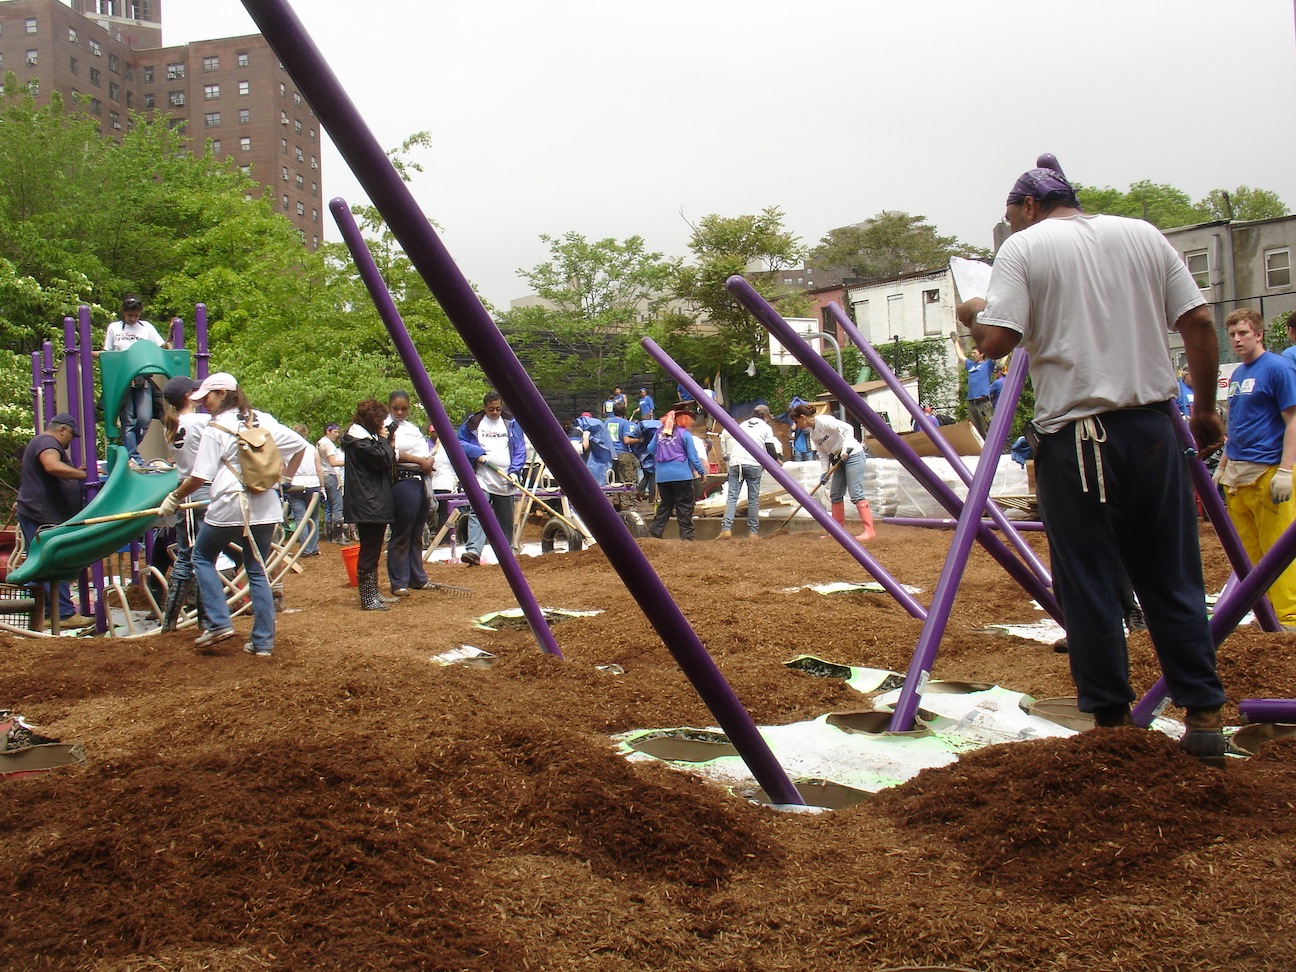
{"x":314,"y":165}
{"x":117,"y":125}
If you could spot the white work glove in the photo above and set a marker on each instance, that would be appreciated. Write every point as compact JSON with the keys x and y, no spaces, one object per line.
{"x":1280,"y":487}
{"x":172,"y":502}
{"x":1217,"y":477}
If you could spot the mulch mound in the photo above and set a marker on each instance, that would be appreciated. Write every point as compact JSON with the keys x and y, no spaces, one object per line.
{"x":351,"y":804}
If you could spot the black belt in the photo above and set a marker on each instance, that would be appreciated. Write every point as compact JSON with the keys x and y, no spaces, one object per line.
{"x":983,"y":398}
{"x":408,"y":474}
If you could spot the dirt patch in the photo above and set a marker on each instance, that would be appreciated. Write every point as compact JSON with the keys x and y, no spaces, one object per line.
{"x":349,"y":803}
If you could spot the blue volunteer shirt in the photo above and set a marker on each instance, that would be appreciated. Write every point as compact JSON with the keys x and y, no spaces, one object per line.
{"x":979,"y":374}
{"x":1258,"y":392}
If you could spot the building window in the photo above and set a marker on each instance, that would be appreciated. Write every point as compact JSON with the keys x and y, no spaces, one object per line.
{"x":115,"y":119}
{"x":33,"y":88}
{"x":94,"y":48}
{"x":212,"y":119}
{"x":245,"y":88}
{"x":315,"y":242}
{"x":314,"y":215}
{"x":175,"y":71}
{"x":301,"y":209}
{"x":285,"y":204}
{"x":1277,"y":268}
{"x":297,"y":98}
{"x":241,"y":59}
{"x":95,"y":76}
{"x":283,"y":89}
{"x":31,"y":58}
{"x":176,"y":99}
{"x":113,"y":64}
{"x":96,"y":106}
{"x":211,"y":63}
{"x":312,"y":134}
{"x":1198,"y":262}
{"x":211,"y":92}
{"x":148,"y":74}
{"x":247,"y":171}
{"x":245,"y":116}
{"x":283,"y":118}
{"x":283,"y":146}
{"x":297,"y":127}
{"x":245,"y":144}
{"x":301,"y":182}
{"x":130,"y":71}
{"x":314,"y":164}
{"x":149,"y":103}
{"x":314,"y":188}
{"x":283,"y":169}
{"x":216,"y":146}
{"x":114,"y":91}
{"x":72,"y":65}
{"x":298,"y":150}
{"x":72,"y":34}
{"x":31,"y":25}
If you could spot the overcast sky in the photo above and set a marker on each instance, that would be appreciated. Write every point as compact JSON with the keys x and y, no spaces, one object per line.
{"x":615,"y":119}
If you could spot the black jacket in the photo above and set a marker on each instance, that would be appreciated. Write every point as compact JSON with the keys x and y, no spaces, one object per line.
{"x":370,"y":472}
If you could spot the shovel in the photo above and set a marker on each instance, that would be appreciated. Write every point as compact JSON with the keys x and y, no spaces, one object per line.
{"x":782,"y":527}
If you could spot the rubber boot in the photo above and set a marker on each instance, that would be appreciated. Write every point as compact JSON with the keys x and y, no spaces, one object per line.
{"x":1204,"y":736}
{"x":838,"y":514}
{"x":1113,"y":717}
{"x":370,"y":600}
{"x":866,"y":518}
{"x":176,"y":594}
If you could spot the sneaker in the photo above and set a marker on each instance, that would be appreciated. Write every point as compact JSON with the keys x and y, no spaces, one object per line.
{"x":212,"y":637}
{"x":1135,"y":621}
{"x":252,"y":649}
{"x":76,"y":621}
{"x":400,"y":592}
{"x":470,"y":557}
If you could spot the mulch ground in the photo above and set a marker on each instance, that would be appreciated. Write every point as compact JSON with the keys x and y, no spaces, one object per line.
{"x":350,"y":804}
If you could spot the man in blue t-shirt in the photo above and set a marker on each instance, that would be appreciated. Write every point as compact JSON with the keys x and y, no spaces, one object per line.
{"x":646,"y":406}
{"x":624,"y":435}
{"x":1256,"y":471}
{"x":979,"y":372}
{"x":1290,"y":352}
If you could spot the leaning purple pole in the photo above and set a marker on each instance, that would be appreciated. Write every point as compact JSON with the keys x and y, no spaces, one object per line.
{"x":940,"y":523}
{"x":1229,"y":612}
{"x":389,"y":194}
{"x":1268,"y":710}
{"x":859,"y":409}
{"x":924,"y":656}
{"x":928,"y":427}
{"x":463,"y":467}
{"x":1225,"y":532}
{"x":839,"y":533}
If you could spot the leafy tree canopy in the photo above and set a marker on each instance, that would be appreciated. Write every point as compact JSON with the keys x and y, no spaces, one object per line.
{"x":889,"y":244}
{"x":1166,"y":207}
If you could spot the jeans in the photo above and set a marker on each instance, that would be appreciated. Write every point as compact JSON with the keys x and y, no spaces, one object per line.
{"x":751,"y":475}
{"x":405,"y":548}
{"x":207,"y":547}
{"x":799,"y":456}
{"x":136,"y":414}
{"x":849,"y":475}
{"x":1140,"y":513}
{"x":502,"y":507}
{"x":298,"y":500}
{"x":188,"y":523}
{"x":66,"y":607}
{"x":332,"y":501}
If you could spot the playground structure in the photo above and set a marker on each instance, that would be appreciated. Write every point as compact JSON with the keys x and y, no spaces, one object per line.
{"x":118,"y":523}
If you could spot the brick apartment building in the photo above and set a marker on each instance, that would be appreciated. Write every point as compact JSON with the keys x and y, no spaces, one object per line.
{"x":231,"y":92}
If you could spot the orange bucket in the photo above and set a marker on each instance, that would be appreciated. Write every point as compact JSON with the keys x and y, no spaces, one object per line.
{"x":350,"y":555}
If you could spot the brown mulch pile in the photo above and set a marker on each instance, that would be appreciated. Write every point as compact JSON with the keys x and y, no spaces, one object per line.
{"x":350,"y":804}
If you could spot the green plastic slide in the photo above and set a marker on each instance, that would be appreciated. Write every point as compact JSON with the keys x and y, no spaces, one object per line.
{"x":117,"y":369}
{"x":62,"y":552}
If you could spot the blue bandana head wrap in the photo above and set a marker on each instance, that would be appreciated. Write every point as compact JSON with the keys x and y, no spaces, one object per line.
{"x":1045,"y":181}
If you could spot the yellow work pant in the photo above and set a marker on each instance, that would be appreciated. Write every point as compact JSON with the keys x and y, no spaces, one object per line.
{"x":1259,"y":524}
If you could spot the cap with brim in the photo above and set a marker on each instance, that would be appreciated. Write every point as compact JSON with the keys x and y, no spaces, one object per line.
{"x":690,"y":407}
{"x":761,"y":410}
{"x":332,"y":427}
{"x":220,"y":381}
{"x":66,"y":418}
{"x":178,"y":389}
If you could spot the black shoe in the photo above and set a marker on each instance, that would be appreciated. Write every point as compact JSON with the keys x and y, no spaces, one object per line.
{"x":1206,"y":745}
{"x":470,"y":557}
{"x":1112,"y":717}
{"x":1061,"y":646}
{"x":1135,"y":621}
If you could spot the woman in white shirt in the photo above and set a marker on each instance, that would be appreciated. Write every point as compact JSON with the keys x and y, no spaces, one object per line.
{"x":836,"y":444}
{"x":184,"y":430}
{"x":410,"y":499}
{"x":236,"y":513}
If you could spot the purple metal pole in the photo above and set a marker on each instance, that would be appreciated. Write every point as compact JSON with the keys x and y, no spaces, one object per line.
{"x":72,"y":365}
{"x":201,"y":354}
{"x":826,"y":376}
{"x":956,"y":562}
{"x":1268,"y":710}
{"x":943,"y":524}
{"x":839,"y":533}
{"x":389,"y":194}
{"x":89,"y":438}
{"x":446,"y":430}
{"x":47,"y":379}
{"x":1228,"y":613}
{"x":928,"y":427}
{"x":37,"y":392}
{"x":1227,"y":534}
{"x":177,"y":333}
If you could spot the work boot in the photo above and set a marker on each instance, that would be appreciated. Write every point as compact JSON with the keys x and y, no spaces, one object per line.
{"x":176,"y":596}
{"x":866,"y":517}
{"x":838,"y":514}
{"x":1113,"y":716}
{"x":1204,"y":736}
{"x":370,"y":599}
{"x":724,"y":535}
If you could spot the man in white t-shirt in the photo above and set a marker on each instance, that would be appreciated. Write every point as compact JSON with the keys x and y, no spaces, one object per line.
{"x":493,"y":442}
{"x":137,"y":406}
{"x":743,"y":468}
{"x":332,"y":462}
{"x":1090,"y":299}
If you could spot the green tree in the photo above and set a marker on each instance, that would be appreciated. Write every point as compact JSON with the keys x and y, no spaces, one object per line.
{"x":596,"y":296}
{"x":1166,"y":207}
{"x":1242,"y":203}
{"x":755,"y":246}
{"x":889,"y":244}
